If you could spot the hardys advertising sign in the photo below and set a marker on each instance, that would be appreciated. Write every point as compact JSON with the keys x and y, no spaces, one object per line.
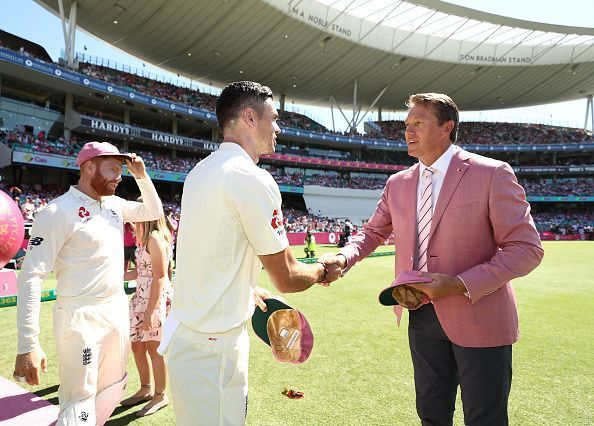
{"x":123,"y":129}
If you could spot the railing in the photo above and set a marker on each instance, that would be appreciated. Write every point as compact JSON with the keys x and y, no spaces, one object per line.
{"x":300,"y":134}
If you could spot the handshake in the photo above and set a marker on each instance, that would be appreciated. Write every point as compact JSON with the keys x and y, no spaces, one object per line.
{"x":334,"y":265}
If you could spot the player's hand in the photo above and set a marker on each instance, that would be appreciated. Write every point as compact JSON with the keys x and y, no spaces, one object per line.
{"x":442,"y":285}
{"x":261,"y":294}
{"x":333,"y":259}
{"x":136,"y":167}
{"x":334,"y":265}
{"x":27,"y":366}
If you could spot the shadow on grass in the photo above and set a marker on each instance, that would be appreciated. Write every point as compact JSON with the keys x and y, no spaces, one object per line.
{"x":47,"y":391}
{"x":127,"y":419}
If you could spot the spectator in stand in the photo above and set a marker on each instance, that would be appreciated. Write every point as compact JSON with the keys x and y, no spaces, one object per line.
{"x":15,"y":191}
{"x":28,"y":208}
{"x":129,"y":244}
{"x":172,"y":225}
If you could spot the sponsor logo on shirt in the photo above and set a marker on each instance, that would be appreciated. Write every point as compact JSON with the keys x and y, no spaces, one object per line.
{"x":35,"y":241}
{"x":84,"y":416}
{"x":82,"y":212}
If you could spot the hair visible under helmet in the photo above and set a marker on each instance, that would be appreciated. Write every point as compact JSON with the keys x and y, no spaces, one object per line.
{"x":444,"y":107}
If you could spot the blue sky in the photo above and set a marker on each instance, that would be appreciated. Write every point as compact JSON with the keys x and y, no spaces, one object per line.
{"x":28,"y":20}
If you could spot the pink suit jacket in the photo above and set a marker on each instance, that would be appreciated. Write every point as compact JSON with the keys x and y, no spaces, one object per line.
{"x":481,"y":231}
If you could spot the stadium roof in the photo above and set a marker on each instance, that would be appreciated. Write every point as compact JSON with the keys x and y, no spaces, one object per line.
{"x":313,"y":50}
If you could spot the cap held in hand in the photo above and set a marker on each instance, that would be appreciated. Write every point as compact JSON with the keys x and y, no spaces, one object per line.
{"x":399,"y":293}
{"x":285,"y":330}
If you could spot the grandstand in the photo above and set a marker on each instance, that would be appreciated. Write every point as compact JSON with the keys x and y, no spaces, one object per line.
{"x":48,"y":110}
{"x":359,"y":55}
{"x":43,"y":130}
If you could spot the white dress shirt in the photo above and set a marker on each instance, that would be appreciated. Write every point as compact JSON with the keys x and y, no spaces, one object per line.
{"x":440,"y":167}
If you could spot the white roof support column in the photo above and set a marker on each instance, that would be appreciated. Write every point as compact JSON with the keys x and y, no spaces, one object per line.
{"x":377,"y":98}
{"x":69,"y":32}
{"x":589,"y":113}
{"x":333,"y":102}
{"x":355,"y":111}
{"x":357,"y":117}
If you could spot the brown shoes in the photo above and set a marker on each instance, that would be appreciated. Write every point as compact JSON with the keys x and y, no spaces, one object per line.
{"x":143,"y":395}
{"x":159,"y":401}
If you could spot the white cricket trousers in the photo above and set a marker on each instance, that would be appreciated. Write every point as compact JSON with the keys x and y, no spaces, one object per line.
{"x":208,"y":376}
{"x":93,"y":341}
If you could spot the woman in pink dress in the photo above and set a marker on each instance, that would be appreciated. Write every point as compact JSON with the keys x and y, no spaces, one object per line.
{"x":148,"y":309}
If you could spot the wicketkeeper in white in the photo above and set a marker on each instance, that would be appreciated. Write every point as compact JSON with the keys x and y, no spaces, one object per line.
{"x":79,"y":236}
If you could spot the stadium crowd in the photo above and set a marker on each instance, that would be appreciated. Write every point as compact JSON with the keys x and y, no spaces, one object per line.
{"x":470,"y":133}
{"x":183,"y":164}
{"x":485,"y":133}
{"x":560,"y":187}
{"x":565,"y":222}
{"x":182,"y":95}
{"x":32,"y":198}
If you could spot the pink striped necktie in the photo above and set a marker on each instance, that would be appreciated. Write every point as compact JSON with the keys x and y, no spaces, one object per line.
{"x":425,"y":216}
{"x":423,"y":228}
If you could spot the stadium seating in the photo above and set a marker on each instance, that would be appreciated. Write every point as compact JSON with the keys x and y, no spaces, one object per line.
{"x":485,"y":133}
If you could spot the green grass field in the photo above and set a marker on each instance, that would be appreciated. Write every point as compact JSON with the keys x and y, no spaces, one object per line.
{"x":360,"y":371}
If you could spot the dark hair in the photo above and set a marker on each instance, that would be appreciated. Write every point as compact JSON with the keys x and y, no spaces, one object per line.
{"x":444,"y":107}
{"x":240,"y":95}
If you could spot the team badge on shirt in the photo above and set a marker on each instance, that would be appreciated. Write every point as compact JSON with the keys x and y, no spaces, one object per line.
{"x":277,"y":219}
{"x":277,"y":222}
{"x":84,"y":214}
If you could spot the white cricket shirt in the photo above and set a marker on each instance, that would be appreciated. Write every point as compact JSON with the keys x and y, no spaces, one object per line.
{"x":81,"y":240}
{"x":231,"y":213}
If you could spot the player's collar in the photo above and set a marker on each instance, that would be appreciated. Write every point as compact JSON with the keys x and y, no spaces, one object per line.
{"x":232,"y":146}
{"x":84,"y":198}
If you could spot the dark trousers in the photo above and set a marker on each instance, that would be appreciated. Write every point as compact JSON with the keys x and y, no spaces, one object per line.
{"x":484,"y":375}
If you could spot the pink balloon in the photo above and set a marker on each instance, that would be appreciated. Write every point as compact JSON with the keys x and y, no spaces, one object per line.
{"x":12,"y":229}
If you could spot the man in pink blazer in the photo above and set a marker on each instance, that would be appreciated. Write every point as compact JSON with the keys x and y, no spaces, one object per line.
{"x":477,"y":235}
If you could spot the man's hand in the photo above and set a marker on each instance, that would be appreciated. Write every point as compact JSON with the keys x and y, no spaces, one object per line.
{"x":261,"y":294}
{"x":27,"y":366}
{"x":334,"y":265}
{"x":333,"y":259}
{"x":334,"y":273}
{"x":442,"y":285}
{"x":136,"y":167}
